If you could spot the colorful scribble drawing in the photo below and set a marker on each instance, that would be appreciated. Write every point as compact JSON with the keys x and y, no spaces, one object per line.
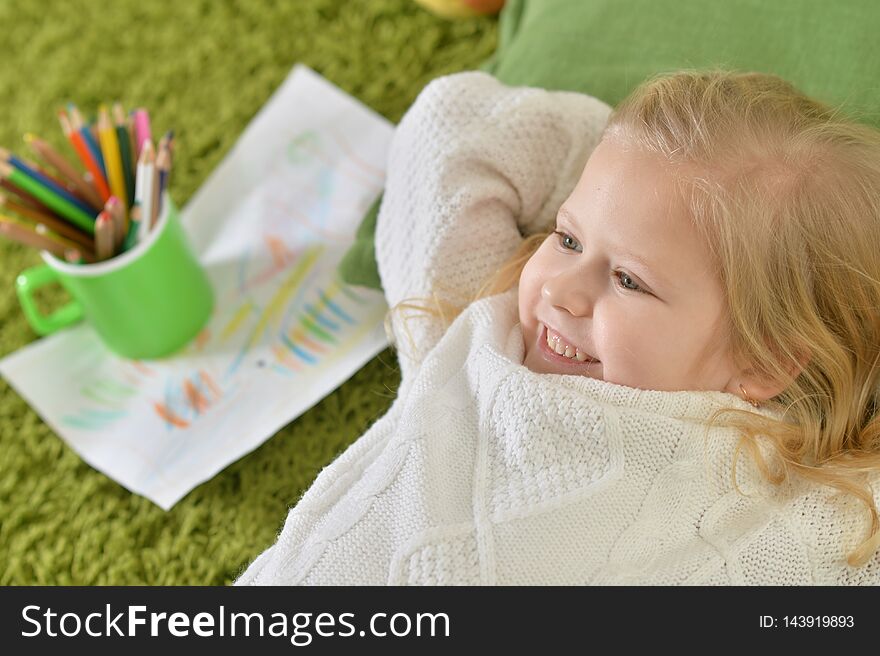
{"x":325,"y":147}
{"x":318,"y":329}
{"x":188,"y":399}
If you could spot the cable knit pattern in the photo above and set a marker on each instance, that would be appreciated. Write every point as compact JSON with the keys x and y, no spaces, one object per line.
{"x":483,"y":472}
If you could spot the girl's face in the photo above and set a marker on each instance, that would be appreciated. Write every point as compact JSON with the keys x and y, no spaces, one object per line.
{"x":625,"y":285}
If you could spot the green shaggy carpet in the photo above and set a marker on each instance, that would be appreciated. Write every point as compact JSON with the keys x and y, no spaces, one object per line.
{"x":203,"y":67}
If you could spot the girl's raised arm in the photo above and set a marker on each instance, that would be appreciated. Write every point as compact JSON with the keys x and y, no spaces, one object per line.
{"x":474,"y":166}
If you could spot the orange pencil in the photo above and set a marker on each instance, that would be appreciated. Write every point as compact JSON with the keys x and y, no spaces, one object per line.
{"x":85,"y":155}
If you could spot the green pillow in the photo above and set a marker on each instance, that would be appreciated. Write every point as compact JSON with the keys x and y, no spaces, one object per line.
{"x":605,"y":48}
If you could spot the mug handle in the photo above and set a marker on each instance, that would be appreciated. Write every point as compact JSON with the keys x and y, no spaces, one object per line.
{"x":26,"y":284}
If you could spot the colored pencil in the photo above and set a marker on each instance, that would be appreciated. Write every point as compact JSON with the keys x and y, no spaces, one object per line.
{"x":170,"y":142}
{"x":132,"y":145}
{"x":148,"y":163}
{"x":73,"y":256}
{"x":104,"y":236}
{"x":79,"y":126}
{"x":157,"y":197}
{"x":29,"y":236}
{"x":85,"y":156}
{"x":134,"y":227}
{"x":69,"y":187}
{"x":163,"y":167}
{"x":112,"y":155}
{"x":116,"y":211}
{"x":55,"y":159}
{"x":124,"y":153}
{"x":85,"y":253}
{"x":43,"y":179}
{"x":52,"y":200}
{"x":142,"y":128}
{"x":24,"y":197}
{"x":49,"y":220}
{"x":134,"y":224}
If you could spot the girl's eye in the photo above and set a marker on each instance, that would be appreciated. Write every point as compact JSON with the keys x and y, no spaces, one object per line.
{"x":625,"y":281}
{"x":566,"y":241}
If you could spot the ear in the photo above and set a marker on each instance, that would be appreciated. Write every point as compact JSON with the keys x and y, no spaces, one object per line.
{"x":761,"y":387}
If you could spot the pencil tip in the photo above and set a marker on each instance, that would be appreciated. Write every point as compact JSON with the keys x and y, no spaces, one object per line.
{"x":28,"y":137}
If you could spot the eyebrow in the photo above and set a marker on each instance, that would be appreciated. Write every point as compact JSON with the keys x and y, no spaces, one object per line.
{"x":638,"y":259}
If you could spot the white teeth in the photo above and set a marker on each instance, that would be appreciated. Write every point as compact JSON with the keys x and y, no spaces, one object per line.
{"x":566,"y":351}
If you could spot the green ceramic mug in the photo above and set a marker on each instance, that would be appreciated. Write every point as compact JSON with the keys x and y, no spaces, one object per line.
{"x":145,"y":303}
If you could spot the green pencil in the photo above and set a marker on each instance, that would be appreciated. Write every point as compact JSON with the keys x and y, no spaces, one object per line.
{"x":49,"y":198}
{"x":124,"y":152}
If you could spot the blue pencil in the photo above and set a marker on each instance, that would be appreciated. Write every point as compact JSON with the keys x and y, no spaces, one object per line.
{"x":47,"y":182}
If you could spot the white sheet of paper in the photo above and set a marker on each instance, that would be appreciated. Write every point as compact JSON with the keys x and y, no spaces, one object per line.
{"x":270,"y":225}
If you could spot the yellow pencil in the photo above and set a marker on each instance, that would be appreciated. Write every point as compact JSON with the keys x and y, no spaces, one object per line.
{"x":112,"y":156}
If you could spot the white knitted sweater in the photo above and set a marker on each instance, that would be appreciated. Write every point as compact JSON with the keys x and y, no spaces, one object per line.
{"x":483,"y":472}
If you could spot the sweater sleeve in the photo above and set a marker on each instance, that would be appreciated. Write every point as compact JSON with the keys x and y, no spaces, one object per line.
{"x":473,"y":167}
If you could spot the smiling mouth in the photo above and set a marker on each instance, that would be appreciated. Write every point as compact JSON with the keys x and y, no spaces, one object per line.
{"x":549,"y":353}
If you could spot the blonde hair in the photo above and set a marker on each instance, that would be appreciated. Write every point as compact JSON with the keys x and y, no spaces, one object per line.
{"x":785,"y":192}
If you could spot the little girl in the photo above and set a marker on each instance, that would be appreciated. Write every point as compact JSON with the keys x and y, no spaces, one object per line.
{"x":672,"y":379}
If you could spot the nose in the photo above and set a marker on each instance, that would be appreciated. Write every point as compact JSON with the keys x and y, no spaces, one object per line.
{"x":568,"y":290}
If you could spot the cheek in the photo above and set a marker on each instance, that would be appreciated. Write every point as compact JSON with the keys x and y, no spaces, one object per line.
{"x":537,"y":269}
{"x":526,"y":294}
{"x":530,"y":281}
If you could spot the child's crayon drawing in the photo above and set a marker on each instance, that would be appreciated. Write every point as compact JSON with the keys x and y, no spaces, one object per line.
{"x":271,"y":225}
